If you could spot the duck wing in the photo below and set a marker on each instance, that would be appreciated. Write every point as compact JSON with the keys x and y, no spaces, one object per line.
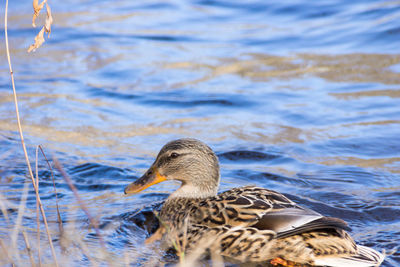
{"x":262,"y":209}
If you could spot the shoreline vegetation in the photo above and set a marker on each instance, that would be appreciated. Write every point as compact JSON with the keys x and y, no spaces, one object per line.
{"x":27,"y":246}
{"x":36,"y":249}
{"x":35,"y":183}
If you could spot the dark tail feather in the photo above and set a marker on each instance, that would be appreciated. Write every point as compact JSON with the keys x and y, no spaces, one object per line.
{"x":318,"y":224}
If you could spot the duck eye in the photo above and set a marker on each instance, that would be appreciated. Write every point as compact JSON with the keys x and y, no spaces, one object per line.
{"x":174,"y":155}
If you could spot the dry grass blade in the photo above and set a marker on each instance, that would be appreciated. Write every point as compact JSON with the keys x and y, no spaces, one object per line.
{"x":60,"y":224}
{"x":22,"y":136}
{"x":39,"y":40}
{"x":185,"y":232}
{"x":180,"y":244}
{"x":21,"y":211}
{"x":3,"y":208}
{"x":216,"y":258}
{"x":74,"y":239}
{"x":127,"y":261}
{"x":17,"y":226}
{"x":36,"y":10}
{"x":5,"y":252}
{"x":37,"y":213}
{"x":206,"y":243}
{"x":28,"y":249}
{"x":49,"y":21}
{"x":192,"y":258}
{"x":82,"y":204}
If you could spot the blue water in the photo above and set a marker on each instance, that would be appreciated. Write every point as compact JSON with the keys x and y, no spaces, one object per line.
{"x":297,"y":96}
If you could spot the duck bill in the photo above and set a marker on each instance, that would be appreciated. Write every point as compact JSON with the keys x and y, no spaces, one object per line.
{"x":144,"y":182}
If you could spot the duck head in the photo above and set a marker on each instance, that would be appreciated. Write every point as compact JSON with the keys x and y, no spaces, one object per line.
{"x":189,"y":161}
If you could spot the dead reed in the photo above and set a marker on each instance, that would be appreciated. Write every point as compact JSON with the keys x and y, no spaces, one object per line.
{"x":21,"y":245}
{"x":22,"y":137}
{"x":9,"y":244}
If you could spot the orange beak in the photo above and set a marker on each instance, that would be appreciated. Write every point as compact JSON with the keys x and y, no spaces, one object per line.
{"x":151,"y":177}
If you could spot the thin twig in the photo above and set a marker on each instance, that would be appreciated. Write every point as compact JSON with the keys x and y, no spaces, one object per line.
{"x":37,"y":215}
{"x":82,"y":204}
{"x":60,"y":224}
{"x":22,"y":137}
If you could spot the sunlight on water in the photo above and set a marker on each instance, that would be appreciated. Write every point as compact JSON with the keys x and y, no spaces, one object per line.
{"x":300,"y":97}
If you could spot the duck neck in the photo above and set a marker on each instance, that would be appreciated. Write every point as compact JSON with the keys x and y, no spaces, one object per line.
{"x":190,"y":191}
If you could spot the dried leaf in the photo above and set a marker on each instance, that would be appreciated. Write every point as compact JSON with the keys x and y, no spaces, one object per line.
{"x":39,"y":40}
{"x":36,"y":10}
{"x":49,"y":21}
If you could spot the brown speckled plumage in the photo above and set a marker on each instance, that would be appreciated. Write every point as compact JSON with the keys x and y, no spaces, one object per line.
{"x":235,"y":220}
{"x":247,"y":224}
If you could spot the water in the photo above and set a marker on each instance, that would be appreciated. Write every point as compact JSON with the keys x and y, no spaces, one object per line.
{"x":300,"y":97}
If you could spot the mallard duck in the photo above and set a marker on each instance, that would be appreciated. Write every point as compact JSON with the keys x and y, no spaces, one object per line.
{"x":247,"y":224}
